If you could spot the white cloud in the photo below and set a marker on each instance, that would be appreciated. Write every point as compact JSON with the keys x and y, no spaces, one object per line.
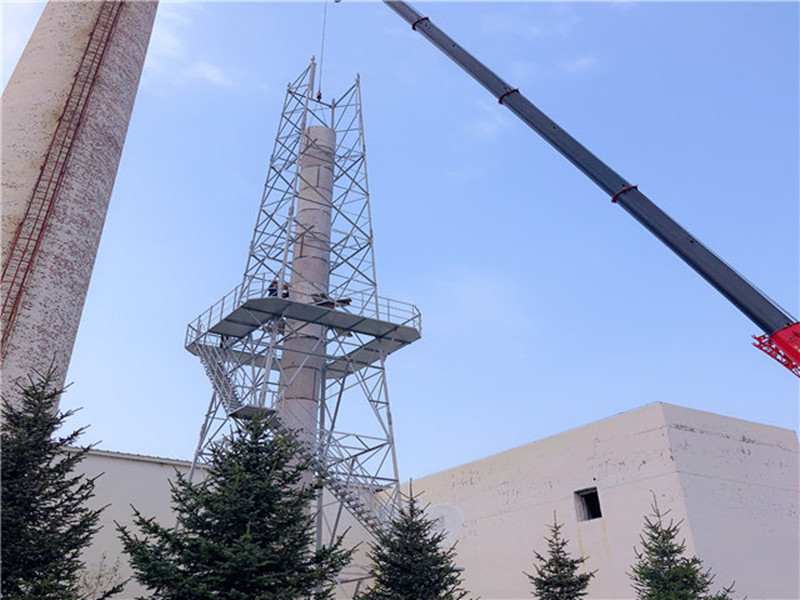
{"x":18,"y":21}
{"x":579,"y":64}
{"x":396,"y":31}
{"x":166,"y":41}
{"x":489,"y":121}
{"x":532,"y":21}
{"x":521,"y":72}
{"x":168,"y":57}
{"x":624,"y":4}
{"x":206,"y":73}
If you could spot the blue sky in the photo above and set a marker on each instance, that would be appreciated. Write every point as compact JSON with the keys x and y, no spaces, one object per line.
{"x":545,"y":307}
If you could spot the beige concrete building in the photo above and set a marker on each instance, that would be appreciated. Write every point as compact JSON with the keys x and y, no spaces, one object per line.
{"x":126,"y":480}
{"x":733,"y":483}
{"x":131,"y":480}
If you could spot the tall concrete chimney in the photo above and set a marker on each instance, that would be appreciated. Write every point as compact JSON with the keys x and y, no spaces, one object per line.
{"x":304,"y":351}
{"x":65,"y":114}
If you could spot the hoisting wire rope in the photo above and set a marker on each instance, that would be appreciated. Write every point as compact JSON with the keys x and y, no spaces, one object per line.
{"x":322,"y":48}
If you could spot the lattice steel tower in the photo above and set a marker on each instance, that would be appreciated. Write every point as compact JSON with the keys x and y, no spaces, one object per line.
{"x":305,"y":336}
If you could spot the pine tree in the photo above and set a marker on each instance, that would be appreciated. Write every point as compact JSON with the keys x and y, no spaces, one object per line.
{"x":408,"y":561}
{"x":245,"y":533}
{"x":662,"y":572}
{"x":557,"y":576}
{"x":45,"y":521}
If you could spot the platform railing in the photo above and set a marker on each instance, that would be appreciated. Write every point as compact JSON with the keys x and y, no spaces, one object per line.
{"x":357,"y":303}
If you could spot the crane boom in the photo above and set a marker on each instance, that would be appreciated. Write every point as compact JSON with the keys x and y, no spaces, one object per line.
{"x":781,"y":338}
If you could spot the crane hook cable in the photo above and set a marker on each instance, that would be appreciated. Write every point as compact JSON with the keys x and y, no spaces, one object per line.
{"x":322,"y":48}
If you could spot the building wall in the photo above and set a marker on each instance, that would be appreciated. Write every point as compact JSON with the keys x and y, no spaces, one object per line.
{"x":734,"y":484}
{"x":126,"y":481}
{"x":740,"y":487}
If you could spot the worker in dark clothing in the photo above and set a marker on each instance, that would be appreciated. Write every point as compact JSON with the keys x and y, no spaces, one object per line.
{"x":272,"y":290}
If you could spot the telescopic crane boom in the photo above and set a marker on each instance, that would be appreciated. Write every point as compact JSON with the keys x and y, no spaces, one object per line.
{"x":781,"y":338}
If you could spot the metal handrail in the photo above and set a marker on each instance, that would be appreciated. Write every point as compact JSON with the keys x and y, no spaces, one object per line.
{"x":360,"y":303}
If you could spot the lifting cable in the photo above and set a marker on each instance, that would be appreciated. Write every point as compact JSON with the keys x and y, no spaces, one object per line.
{"x":322,"y":48}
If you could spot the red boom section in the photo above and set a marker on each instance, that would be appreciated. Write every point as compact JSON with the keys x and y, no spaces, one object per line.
{"x":783,"y":346}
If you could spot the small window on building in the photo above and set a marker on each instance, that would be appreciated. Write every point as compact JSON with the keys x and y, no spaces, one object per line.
{"x":587,"y":504}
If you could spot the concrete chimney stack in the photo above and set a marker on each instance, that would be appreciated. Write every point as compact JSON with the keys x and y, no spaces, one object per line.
{"x":304,"y":352}
{"x":65,"y":114}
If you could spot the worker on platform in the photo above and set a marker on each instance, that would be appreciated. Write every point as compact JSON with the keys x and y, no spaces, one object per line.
{"x":272,"y":290}
{"x":285,"y":293}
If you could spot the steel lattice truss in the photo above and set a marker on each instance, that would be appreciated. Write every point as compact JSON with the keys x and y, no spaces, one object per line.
{"x":240,"y":340}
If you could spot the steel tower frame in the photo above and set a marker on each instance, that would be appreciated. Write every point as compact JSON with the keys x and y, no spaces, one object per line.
{"x":241,"y":339}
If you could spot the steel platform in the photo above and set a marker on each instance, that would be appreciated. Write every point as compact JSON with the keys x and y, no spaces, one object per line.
{"x":387,"y":337}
